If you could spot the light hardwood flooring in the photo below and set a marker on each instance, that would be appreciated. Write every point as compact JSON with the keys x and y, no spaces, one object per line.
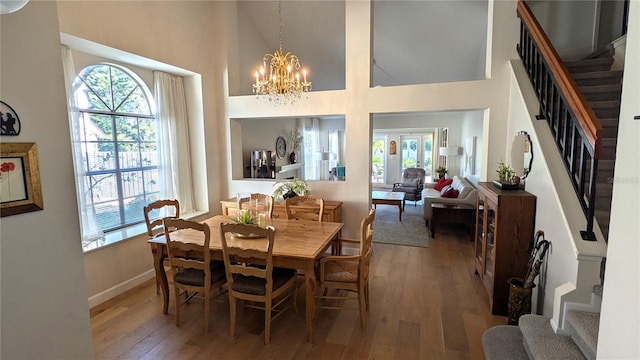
{"x":426,"y":303}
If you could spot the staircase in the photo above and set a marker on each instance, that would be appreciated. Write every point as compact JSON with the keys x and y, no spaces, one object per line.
{"x":534,"y":338}
{"x":602,"y":87}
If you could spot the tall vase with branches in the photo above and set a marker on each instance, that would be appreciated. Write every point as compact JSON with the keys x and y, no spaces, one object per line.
{"x":295,"y":139}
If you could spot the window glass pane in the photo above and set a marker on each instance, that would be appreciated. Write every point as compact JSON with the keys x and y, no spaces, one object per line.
{"x":149,"y":154}
{"x":108,"y":214}
{"x":126,"y":128}
{"x":133,"y":209}
{"x":100,"y":127}
{"x":377,"y":161}
{"x":98,"y":81}
{"x":103,"y":187}
{"x":129,"y":155}
{"x":100,"y":156}
{"x":151,"y":182}
{"x":147,"y":129}
{"x":122,"y":85}
{"x":87,"y":99}
{"x":132,"y":184}
{"x":120,"y":151}
{"x":135,"y":103}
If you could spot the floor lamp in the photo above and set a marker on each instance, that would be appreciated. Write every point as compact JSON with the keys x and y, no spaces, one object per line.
{"x":448,"y":151}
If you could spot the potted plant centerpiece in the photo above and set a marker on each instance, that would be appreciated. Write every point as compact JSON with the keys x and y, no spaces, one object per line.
{"x":441,"y":171}
{"x":290,"y":188}
{"x":507,"y":179}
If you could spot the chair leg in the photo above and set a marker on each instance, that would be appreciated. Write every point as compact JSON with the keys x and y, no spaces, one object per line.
{"x":362,"y":305}
{"x":207,"y":306}
{"x":232,"y":315}
{"x":176,"y":291}
{"x":267,"y":322}
{"x":366,"y":296}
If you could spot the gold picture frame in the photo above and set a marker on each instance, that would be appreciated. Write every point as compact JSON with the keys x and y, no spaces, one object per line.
{"x":20,"y":189}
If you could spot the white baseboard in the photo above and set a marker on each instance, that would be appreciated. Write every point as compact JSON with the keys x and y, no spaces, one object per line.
{"x":120,"y":288}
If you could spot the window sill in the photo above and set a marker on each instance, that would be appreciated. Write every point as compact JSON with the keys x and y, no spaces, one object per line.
{"x":130,"y":232}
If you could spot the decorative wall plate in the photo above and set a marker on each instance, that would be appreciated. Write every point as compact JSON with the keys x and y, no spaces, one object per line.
{"x":281,"y":147}
{"x":9,"y":120}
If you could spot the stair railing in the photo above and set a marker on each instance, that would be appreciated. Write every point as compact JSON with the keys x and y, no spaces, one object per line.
{"x":575,"y":128}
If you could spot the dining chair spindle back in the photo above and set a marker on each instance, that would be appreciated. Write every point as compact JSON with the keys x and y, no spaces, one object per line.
{"x":313,"y":207}
{"x":191,"y":266}
{"x":349,"y":272}
{"x":247,"y":252}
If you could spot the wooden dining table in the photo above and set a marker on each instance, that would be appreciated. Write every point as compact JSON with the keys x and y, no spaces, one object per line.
{"x":299,"y":244}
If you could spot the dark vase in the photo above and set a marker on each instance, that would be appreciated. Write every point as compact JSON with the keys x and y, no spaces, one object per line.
{"x":293,"y":157}
{"x":289,"y":194}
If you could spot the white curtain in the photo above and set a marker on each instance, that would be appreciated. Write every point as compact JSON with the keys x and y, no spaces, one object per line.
{"x":89,"y":226}
{"x":312,"y":145}
{"x":173,"y":136}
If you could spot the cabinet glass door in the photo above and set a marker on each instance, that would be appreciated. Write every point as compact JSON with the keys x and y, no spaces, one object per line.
{"x":479,"y":231}
{"x":489,"y":238}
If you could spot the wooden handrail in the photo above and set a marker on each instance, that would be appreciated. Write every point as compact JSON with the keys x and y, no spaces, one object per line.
{"x":574,"y":99}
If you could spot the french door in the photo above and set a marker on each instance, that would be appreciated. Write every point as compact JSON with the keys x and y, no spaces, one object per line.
{"x":417,"y":151}
{"x":378,"y":156}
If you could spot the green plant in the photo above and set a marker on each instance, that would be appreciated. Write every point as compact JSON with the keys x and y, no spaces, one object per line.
{"x":296,"y":185}
{"x":441,"y":171}
{"x":505,"y":173}
{"x":244,"y":217}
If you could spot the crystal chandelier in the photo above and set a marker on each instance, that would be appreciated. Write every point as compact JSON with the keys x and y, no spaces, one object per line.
{"x":283,"y":84}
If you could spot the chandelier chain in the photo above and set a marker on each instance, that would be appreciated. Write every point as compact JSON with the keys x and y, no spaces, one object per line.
{"x":280,"y":21}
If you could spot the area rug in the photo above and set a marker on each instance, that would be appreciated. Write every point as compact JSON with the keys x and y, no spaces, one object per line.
{"x":410,"y":232}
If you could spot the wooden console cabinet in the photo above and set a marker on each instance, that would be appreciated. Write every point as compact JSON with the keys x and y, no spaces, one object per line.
{"x":332,"y":210}
{"x":505,"y":221}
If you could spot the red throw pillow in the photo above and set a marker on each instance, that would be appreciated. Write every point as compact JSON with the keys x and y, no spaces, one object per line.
{"x":451,"y":193}
{"x":442,"y":183}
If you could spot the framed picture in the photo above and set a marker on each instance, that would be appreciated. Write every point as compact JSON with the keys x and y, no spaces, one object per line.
{"x":20,"y":190}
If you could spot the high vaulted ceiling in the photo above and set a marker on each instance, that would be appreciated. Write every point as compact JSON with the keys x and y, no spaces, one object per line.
{"x":414,"y":42}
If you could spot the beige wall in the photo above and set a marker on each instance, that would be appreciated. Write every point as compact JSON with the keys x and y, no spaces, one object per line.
{"x":171,"y":32}
{"x":358,"y":101}
{"x":620,"y":322}
{"x":44,"y":307}
{"x":196,"y":35}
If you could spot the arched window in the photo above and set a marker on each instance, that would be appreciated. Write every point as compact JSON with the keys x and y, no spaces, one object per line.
{"x":118,"y":144}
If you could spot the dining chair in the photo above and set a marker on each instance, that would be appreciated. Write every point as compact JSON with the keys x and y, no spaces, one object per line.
{"x":192,"y":269}
{"x":154,"y":213}
{"x":349,"y":272}
{"x":306,"y":207}
{"x":261,"y":198}
{"x":246,"y":249}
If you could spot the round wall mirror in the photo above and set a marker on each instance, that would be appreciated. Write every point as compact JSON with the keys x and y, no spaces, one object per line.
{"x":522,"y":154}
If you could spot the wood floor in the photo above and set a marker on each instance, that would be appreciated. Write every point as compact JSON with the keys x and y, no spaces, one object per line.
{"x":426,"y":303}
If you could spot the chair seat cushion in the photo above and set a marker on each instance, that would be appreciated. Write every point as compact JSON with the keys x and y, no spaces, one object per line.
{"x":195,"y":277}
{"x":341,"y":270}
{"x":407,"y":189}
{"x":257,"y":286}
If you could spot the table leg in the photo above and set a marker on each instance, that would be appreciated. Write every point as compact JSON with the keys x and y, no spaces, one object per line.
{"x":433,"y":223}
{"x":161,"y":274}
{"x":310,"y":281}
{"x":400,"y":206}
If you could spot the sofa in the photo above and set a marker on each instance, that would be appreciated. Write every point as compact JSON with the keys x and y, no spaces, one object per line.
{"x":467,"y":194}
